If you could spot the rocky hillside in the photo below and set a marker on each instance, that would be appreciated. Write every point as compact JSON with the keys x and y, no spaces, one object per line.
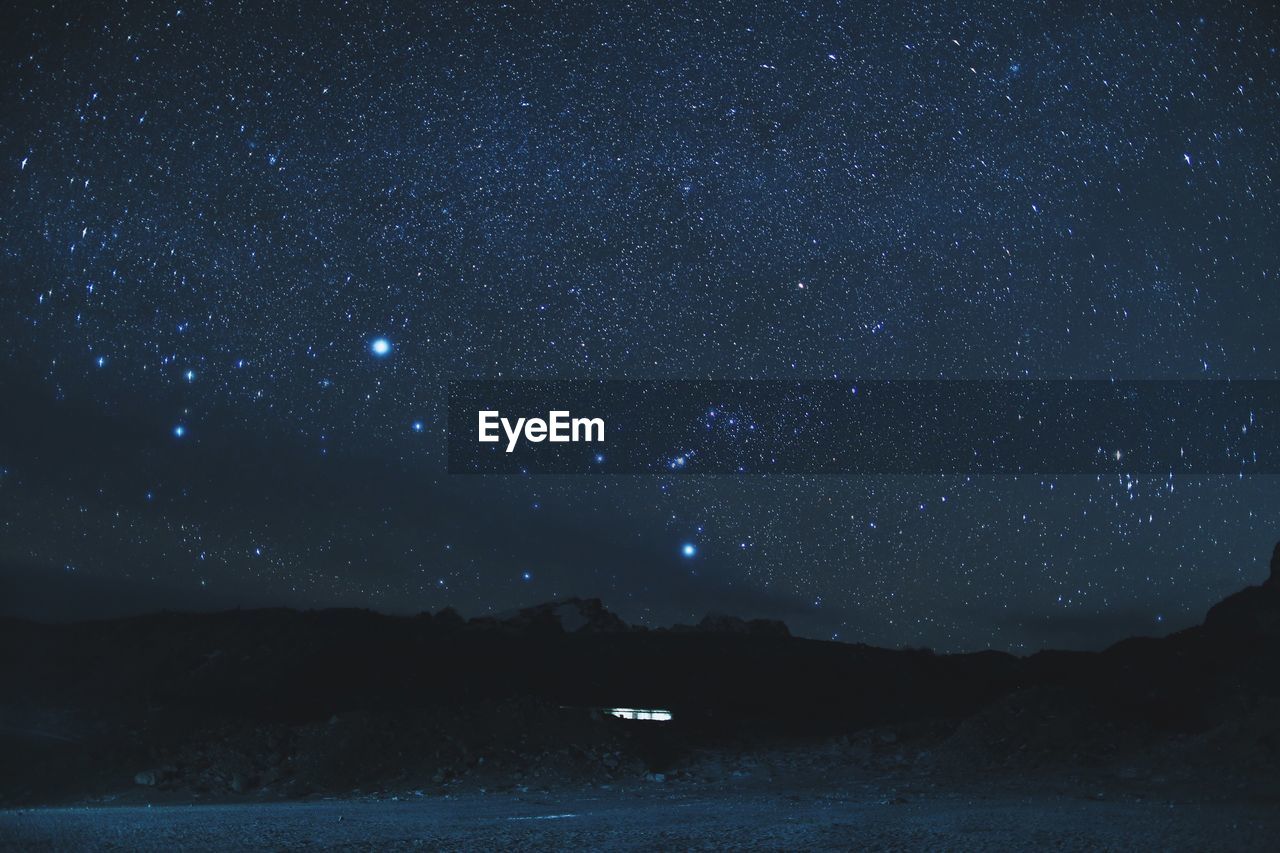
{"x":281,"y":703}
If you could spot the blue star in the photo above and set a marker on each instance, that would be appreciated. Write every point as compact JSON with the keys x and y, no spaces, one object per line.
{"x":689,"y":550}
{"x":526,"y":576}
{"x":179,"y":431}
{"x":418,"y":426}
{"x":381,"y":347}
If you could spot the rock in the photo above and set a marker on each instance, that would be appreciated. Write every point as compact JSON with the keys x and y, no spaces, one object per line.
{"x":448,"y":618}
{"x":571,"y":616}
{"x":1251,"y":612}
{"x":150,"y":778}
{"x":718,"y":623}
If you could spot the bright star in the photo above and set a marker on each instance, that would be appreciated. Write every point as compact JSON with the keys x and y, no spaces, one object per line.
{"x":689,"y":550}
{"x":179,"y":431}
{"x":381,"y":347}
{"x":418,"y":426}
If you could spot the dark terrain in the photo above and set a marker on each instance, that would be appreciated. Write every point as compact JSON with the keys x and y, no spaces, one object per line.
{"x":249,"y":708}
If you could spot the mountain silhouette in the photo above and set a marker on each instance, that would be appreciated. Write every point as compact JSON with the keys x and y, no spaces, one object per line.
{"x":279,"y":702}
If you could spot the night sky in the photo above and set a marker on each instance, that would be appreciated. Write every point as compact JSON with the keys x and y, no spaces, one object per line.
{"x":243,"y":247}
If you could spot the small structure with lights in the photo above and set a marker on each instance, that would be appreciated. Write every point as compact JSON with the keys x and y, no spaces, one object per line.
{"x":660,"y":715}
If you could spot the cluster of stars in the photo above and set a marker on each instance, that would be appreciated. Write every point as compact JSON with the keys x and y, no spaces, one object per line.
{"x":267,"y":259}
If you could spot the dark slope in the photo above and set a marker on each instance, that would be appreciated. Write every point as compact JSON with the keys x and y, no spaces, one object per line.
{"x":288,"y":702}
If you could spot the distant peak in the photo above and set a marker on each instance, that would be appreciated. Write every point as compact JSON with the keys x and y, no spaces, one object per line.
{"x":720,"y":623}
{"x":572,"y":615}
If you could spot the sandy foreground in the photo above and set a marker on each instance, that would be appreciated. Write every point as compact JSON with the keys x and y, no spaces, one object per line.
{"x":665,"y":816}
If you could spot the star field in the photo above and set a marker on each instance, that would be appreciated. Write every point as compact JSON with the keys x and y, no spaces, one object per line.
{"x":245,"y":246}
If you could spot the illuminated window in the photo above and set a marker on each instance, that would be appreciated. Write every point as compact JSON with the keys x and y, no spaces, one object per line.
{"x":656,"y":714}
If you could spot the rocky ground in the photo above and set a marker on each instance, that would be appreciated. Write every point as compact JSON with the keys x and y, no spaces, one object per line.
{"x":530,"y":746}
{"x":1015,"y":745}
{"x":430,"y":730}
{"x":763,"y":803}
